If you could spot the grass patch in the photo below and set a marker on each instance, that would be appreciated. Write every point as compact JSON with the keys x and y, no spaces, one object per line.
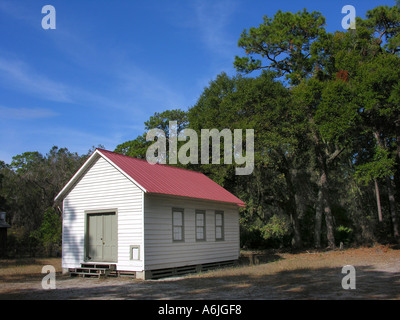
{"x":25,"y":269}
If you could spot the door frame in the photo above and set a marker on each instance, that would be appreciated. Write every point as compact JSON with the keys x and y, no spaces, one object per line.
{"x":86,"y":236}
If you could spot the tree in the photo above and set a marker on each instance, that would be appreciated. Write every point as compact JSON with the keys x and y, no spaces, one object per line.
{"x":50,"y":232}
{"x":29,"y":186}
{"x":3,"y":202}
{"x":371,"y":58}
{"x":378,"y":81}
{"x":134,"y":148}
{"x":331,"y":116}
{"x":385,"y":22}
{"x":161,"y":120}
{"x":343,"y":82}
{"x":265,"y":105}
{"x":137,"y":148}
{"x":293,"y":38}
{"x":284,"y":43}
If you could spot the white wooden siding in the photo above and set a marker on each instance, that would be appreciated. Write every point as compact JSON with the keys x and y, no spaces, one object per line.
{"x":103,"y":187}
{"x":162,"y":252}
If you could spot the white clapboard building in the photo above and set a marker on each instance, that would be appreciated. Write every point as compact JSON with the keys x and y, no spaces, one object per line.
{"x":125,"y":215}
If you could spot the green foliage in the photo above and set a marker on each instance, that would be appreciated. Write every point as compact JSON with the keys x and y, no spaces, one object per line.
{"x":134,"y":148}
{"x":337,"y":113}
{"x":385,"y":21}
{"x":277,"y":227}
{"x":161,"y":120}
{"x":29,"y":185}
{"x":137,"y":148}
{"x":50,"y":232}
{"x":51,"y":228}
{"x":3,"y":201}
{"x":27,"y":161}
{"x":344,"y":234}
{"x":283,"y":42}
{"x":381,"y":166}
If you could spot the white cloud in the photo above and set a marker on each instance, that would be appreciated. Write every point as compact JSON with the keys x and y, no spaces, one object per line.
{"x":22,"y":78}
{"x":25,"y":113}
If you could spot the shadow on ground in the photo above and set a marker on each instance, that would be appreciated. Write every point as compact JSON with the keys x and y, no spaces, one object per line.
{"x":323,"y":283}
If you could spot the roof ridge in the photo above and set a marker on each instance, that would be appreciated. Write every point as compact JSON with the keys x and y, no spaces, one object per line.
{"x":144,"y":160}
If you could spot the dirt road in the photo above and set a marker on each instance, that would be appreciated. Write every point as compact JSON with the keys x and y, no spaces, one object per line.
{"x":309,"y":275}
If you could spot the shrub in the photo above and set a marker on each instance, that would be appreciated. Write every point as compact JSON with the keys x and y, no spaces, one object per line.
{"x":344,"y":234}
{"x":277,"y":228}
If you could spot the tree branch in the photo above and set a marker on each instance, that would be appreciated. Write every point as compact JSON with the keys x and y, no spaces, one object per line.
{"x":335,"y":155}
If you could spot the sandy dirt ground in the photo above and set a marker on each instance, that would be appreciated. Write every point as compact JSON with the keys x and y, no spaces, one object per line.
{"x":306,"y":275}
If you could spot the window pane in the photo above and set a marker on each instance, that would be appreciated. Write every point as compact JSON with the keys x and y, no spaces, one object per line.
{"x":218,"y":219}
{"x":200,"y":224}
{"x":177,"y":218}
{"x":199,"y":234}
{"x":177,"y":224}
{"x":218,"y":232}
{"x":177,"y":233}
{"x":135,"y":253}
{"x":200,"y":219}
{"x":219,"y":225}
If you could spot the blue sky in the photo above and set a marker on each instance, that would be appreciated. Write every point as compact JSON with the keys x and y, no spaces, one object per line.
{"x":109,"y":65}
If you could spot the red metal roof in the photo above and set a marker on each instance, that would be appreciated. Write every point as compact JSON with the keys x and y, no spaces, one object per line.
{"x":165,"y":179}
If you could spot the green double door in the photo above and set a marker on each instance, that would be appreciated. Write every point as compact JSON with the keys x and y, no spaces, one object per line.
{"x":101,"y":243}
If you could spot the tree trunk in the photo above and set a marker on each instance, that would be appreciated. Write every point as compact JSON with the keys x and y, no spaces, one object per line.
{"x":318,"y":220}
{"x":291,"y":206}
{"x":392,"y":205}
{"x":327,"y":210}
{"x":392,"y":200}
{"x":397,"y":123}
{"x":378,"y":201}
{"x":296,"y":240}
{"x":397,"y":173}
{"x":324,"y":189}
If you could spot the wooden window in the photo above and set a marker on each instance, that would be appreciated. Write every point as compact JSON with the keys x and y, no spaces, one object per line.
{"x":219,"y":225}
{"x":177,"y":225}
{"x":200,"y":225}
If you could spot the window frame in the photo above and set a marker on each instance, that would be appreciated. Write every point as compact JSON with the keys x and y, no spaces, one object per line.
{"x":203,"y":227}
{"x":222,"y":226}
{"x":131,"y":252}
{"x":182,"y":226}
